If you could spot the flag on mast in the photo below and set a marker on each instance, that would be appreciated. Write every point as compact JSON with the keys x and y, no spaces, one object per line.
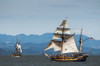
{"x":91,"y":38}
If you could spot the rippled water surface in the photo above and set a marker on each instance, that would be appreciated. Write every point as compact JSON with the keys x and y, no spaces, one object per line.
{"x":40,"y":60}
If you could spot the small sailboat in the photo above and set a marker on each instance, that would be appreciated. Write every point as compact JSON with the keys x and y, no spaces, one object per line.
{"x":18,"y":50}
{"x":64,"y":42}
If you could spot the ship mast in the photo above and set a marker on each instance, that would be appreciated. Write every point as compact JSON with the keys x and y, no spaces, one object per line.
{"x":63,"y":37}
{"x":80,"y":41}
{"x":16,"y":46}
{"x":62,"y":40}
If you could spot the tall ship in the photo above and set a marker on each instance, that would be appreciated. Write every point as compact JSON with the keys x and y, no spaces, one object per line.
{"x":18,"y":50}
{"x":64,"y":42}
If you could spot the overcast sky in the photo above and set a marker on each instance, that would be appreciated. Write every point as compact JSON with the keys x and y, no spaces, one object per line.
{"x":43,"y":16}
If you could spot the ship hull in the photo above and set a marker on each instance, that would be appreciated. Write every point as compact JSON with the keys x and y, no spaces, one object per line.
{"x":68,"y":59}
{"x":16,"y":55}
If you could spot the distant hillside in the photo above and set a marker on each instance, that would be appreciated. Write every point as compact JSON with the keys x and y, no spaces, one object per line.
{"x":26,"y":38}
{"x":34,"y":44}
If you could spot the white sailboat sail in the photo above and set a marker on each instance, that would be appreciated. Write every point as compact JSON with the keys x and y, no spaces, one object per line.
{"x":56,"y":45}
{"x":69,"y":46}
{"x":64,"y":23}
{"x":50,"y":45}
{"x":59,"y":36}
{"x":19,"y":48}
{"x":66,"y":30}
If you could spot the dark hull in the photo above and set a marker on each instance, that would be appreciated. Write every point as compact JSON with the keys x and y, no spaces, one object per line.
{"x":16,"y":55}
{"x":68,"y":59}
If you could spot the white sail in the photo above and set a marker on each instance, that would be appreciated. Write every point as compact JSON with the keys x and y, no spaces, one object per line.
{"x":56,"y":45}
{"x":66,"y":30}
{"x":64,"y":23}
{"x":68,"y":41}
{"x":19,"y":48}
{"x":69,"y":46}
{"x":50,"y":45}
{"x":59,"y":36}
